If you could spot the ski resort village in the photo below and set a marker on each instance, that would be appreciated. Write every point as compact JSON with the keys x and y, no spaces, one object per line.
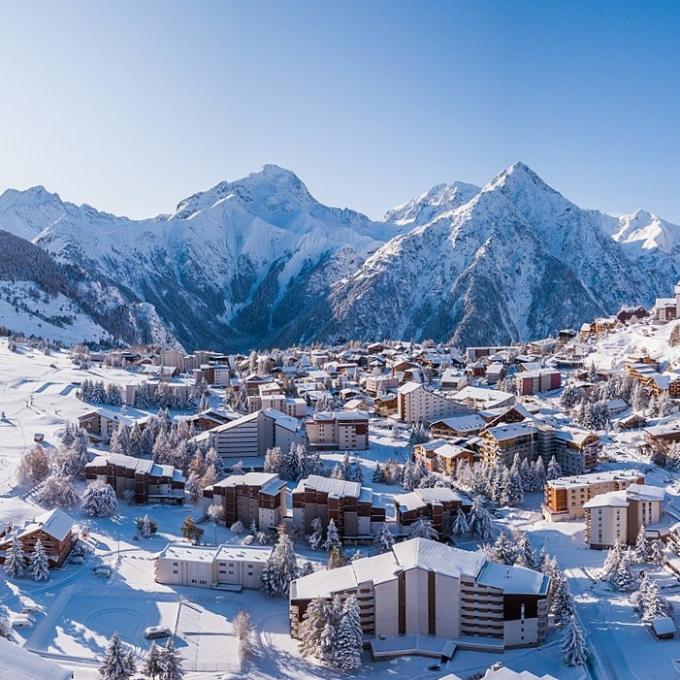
{"x":392,"y":509}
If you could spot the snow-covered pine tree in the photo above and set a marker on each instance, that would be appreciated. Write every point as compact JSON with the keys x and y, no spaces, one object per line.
{"x":151,"y":666}
{"x":656,"y":555}
{"x":384,"y":540}
{"x":350,"y":636}
{"x":315,"y":539}
{"x":312,"y":625}
{"x":281,"y":567}
{"x":479,"y":520}
{"x":332,"y":536}
{"x":524,"y":552}
{"x":460,"y":526}
{"x":574,"y":649}
{"x":422,"y":528}
{"x":15,"y":560}
{"x":562,"y":602}
{"x":622,"y":579}
{"x":273,"y":460}
{"x":539,"y":474}
{"x":642,"y":548}
{"x":57,"y":491}
{"x":328,"y":644}
{"x":407,"y":482}
{"x":39,"y":564}
{"x":378,"y":474}
{"x":651,"y":604}
{"x":117,"y":663}
{"x":503,"y":550}
{"x":171,"y":662}
{"x":554,"y":470}
{"x":514,"y":492}
{"x":612,"y":561}
{"x":100,"y":500}
{"x":146,"y":526}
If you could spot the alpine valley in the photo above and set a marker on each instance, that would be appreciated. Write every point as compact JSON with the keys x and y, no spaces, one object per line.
{"x":260,"y":262}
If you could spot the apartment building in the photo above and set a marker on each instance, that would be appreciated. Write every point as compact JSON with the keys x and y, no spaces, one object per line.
{"x":227,"y":566}
{"x":291,"y":406}
{"x":438,"y":504}
{"x":566,"y":496}
{"x":212,"y":374}
{"x":482,"y":398}
{"x":424,"y":587}
{"x":619,"y":515}
{"x":377,"y":384}
{"x":248,"y":438}
{"x":345,"y":430}
{"x":354,"y":508}
{"x":439,"y":455}
{"x":537,"y":380}
{"x":258,"y":496}
{"x":55,"y":531}
{"x":418,"y":403}
{"x":149,"y":481}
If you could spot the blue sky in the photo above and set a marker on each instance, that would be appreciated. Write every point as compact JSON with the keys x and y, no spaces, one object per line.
{"x":131,"y":106}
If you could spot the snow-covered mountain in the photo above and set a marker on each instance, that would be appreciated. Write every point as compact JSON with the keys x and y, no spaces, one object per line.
{"x":231,"y":268}
{"x":516,"y":261}
{"x":259,"y":261}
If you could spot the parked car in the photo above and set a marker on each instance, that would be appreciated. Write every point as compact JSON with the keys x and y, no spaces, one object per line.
{"x":103,"y":570}
{"x":76,"y":559}
{"x":155,"y":632}
{"x":22,"y":621}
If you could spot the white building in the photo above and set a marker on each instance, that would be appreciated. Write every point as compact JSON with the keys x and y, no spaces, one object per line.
{"x":211,"y":567}
{"x":345,"y":430}
{"x":483,"y":398}
{"x":618,"y":515}
{"x":417,"y":403}
{"x":424,"y":587}
{"x":249,"y":437}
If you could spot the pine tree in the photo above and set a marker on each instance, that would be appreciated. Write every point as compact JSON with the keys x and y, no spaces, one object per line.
{"x":243,"y":630}
{"x":622,"y":579}
{"x":503,"y":550}
{"x":525,"y":555}
{"x":384,"y":540}
{"x":117,"y":663}
{"x":656,"y":555}
{"x":539,"y":474}
{"x":651,"y":604}
{"x":100,"y":500}
{"x":460,"y":524}
{"x":378,"y":475}
{"x":612,"y":561}
{"x":151,"y":665}
{"x":422,"y":528}
{"x":562,"y":602}
{"x":350,"y":636}
{"x":480,"y":521}
{"x":332,"y":536}
{"x":171,"y":663}
{"x":407,"y":481}
{"x":315,"y":539}
{"x":554,"y":469}
{"x":641,"y":549}
{"x":574,"y":649}
{"x":39,"y":564}
{"x":328,"y":644}
{"x":312,"y":625}
{"x":281,"y":567}
{"x":15,"y":560}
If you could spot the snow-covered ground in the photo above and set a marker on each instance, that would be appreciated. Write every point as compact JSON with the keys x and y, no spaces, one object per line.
{"x":37,"y":394}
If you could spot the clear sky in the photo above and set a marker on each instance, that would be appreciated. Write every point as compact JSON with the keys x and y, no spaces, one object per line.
{"x":131,"y":106}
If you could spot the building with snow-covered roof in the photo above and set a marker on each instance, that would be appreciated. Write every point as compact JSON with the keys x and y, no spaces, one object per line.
{"x":565,"y":497}
{"x":230,"y":566}
{"x":419,"y":403}
{"x":423,"y":587}
{"x":251,"y":435}
{"x":254,"y":496}
{"x":458,"y":426}
{"x":438,"y":504}
{"x":345,"y":430}
{"x":148,"y":481}
{"x":480,"y":398}
{"x":440,"y":455}
{"x":100,"y":422}
{"x":537,"y":380}
{"x":54,"y":529}
{"x":618,"y":515}
{"x":352,"y":507}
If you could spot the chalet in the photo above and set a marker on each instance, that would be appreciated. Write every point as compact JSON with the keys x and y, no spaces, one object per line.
{"x":439,"y":455}
{"x":148,"y":481}
{"x":458,"y":426}
{"x":437,"y":504}
{"x":662,"y":436}
{"x":99,"y":423}
{"x":206,"y":420}
{"x":254,"y":496}
{"x":354,"y":508}
{"x":54,"y":529}
{"x":385,"y":405}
